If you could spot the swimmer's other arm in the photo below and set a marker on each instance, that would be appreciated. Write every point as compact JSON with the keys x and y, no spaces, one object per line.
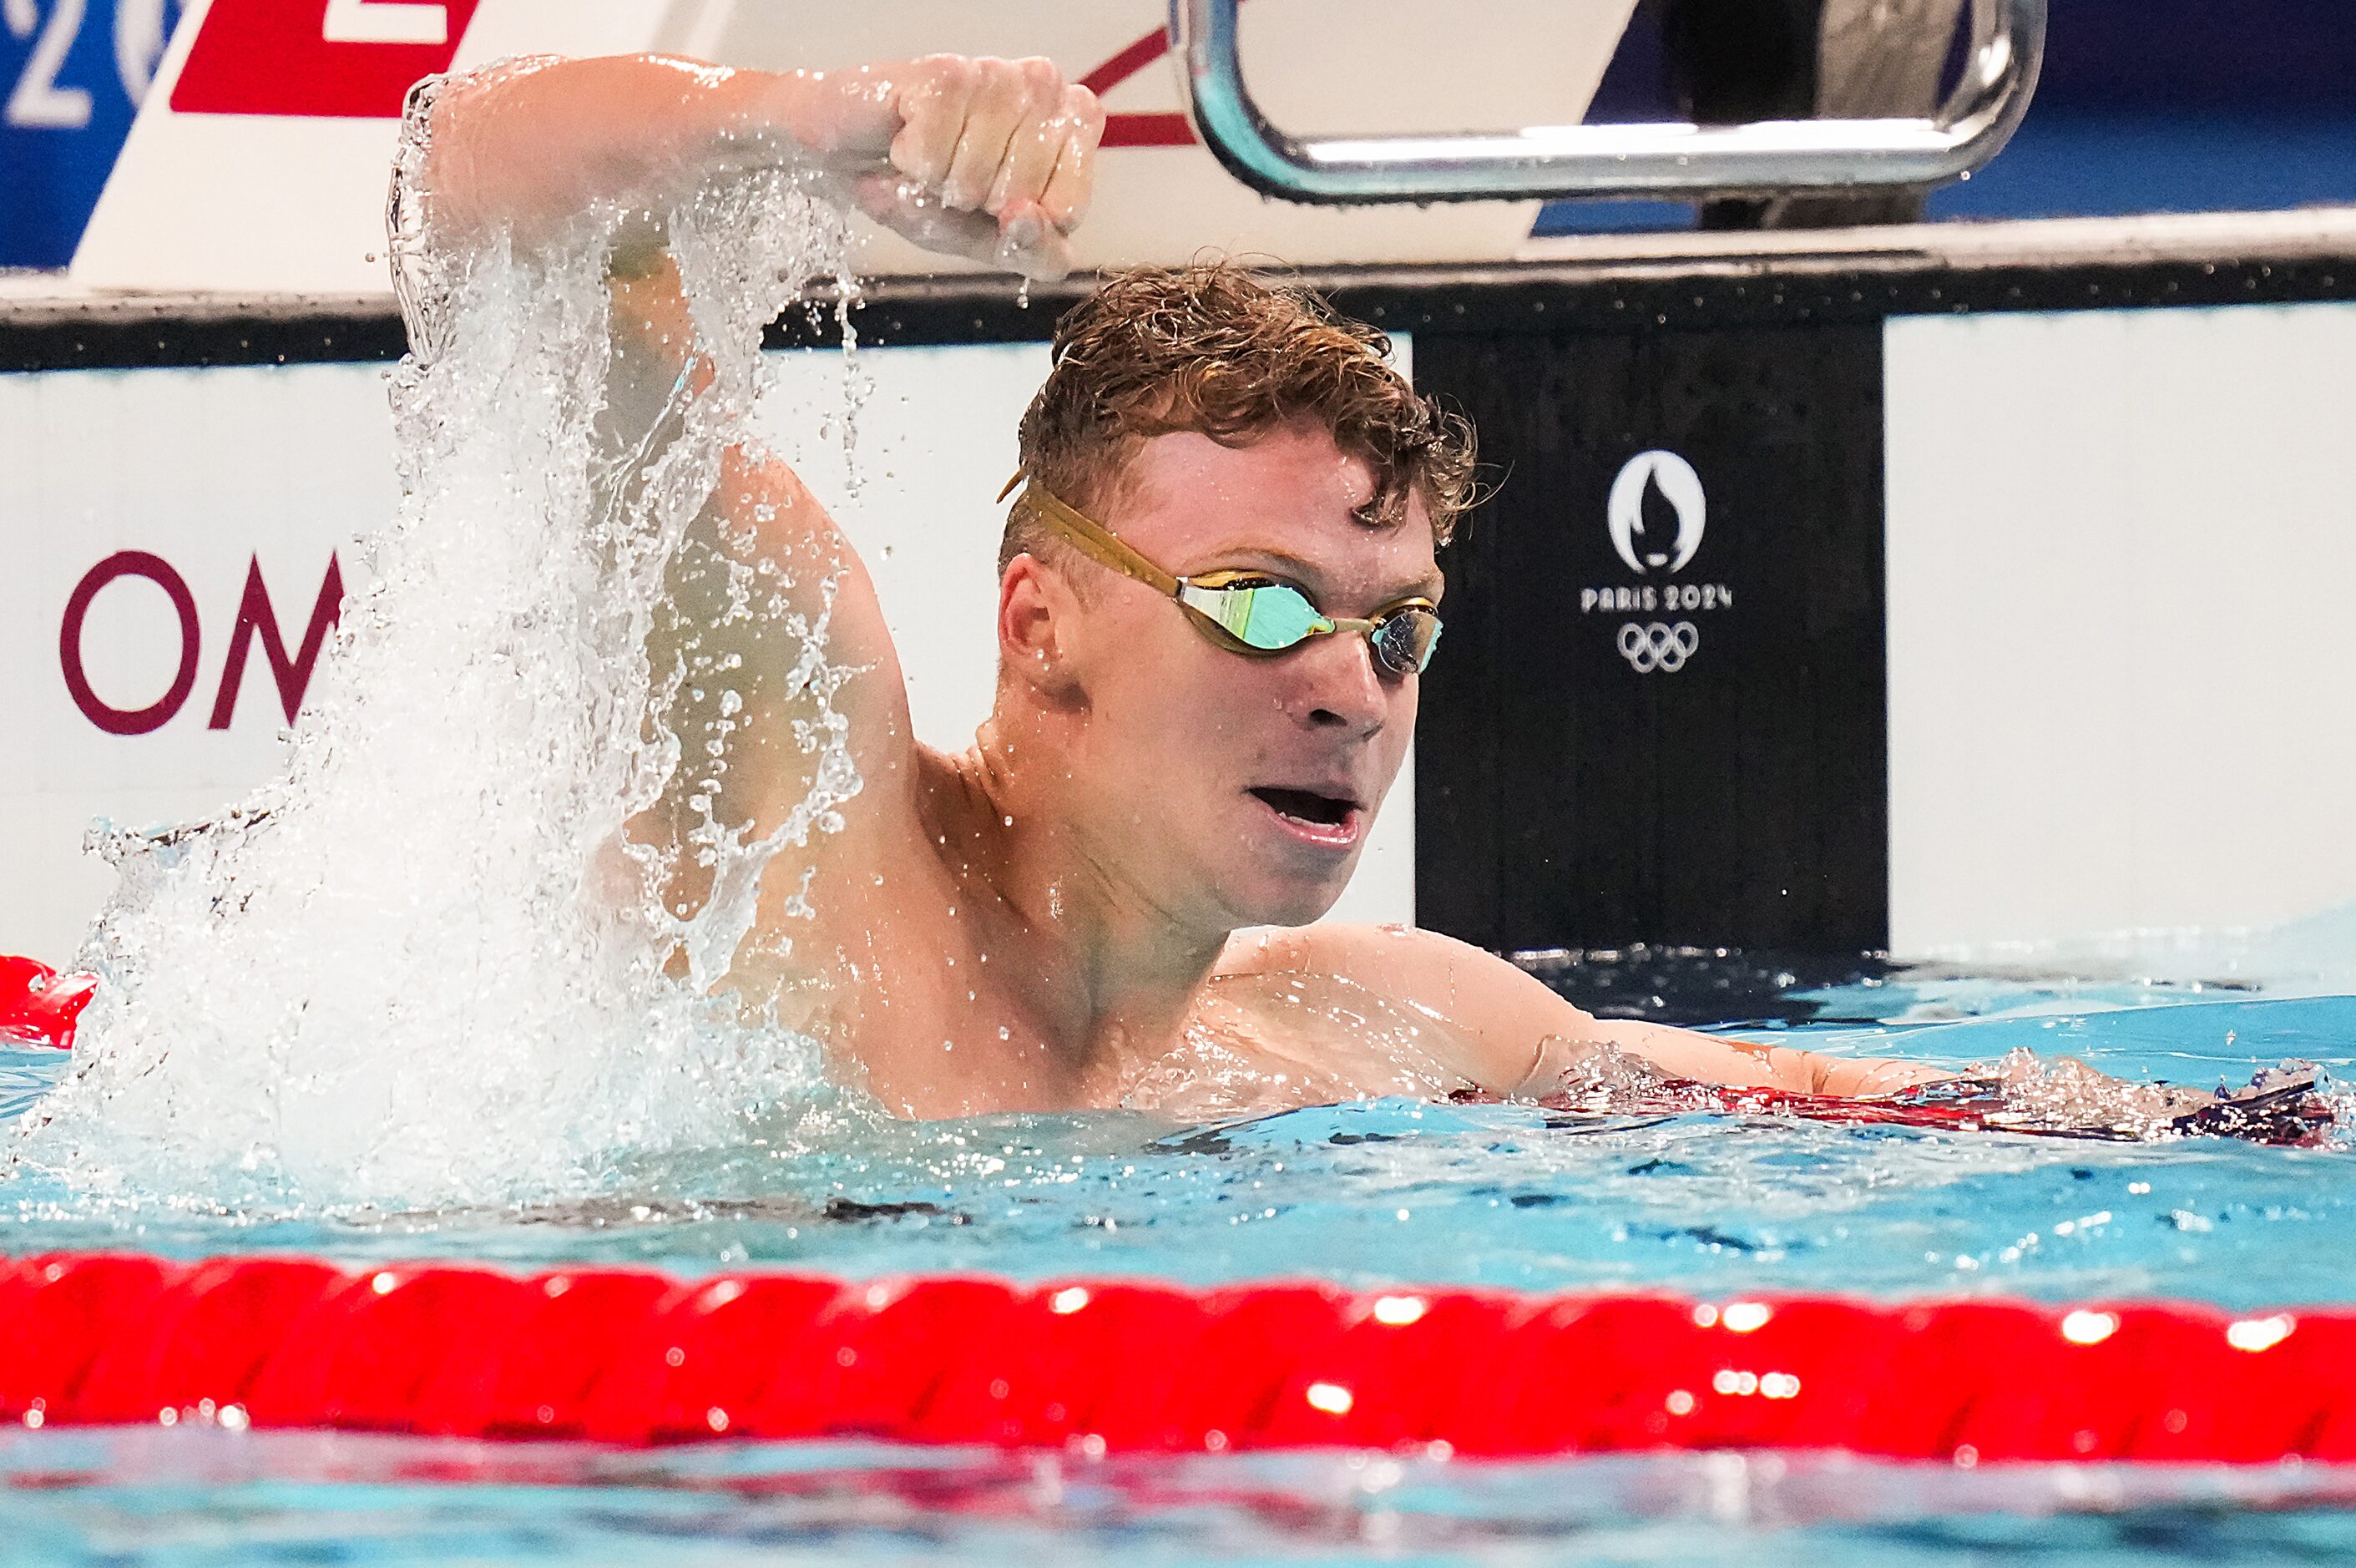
{"x":1514,"y":1038}
{"x":990,"y":159}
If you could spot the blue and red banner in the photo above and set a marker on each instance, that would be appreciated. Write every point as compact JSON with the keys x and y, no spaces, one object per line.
{"x":71,"y":75}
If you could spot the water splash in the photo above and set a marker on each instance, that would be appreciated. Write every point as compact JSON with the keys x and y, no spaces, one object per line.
{"x":440,"y":958}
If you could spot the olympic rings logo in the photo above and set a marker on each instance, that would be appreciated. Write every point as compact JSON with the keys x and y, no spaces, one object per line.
{"x":1658,"y":647}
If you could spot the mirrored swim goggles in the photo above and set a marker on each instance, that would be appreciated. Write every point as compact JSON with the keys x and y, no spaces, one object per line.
{"x":1244,"y":612}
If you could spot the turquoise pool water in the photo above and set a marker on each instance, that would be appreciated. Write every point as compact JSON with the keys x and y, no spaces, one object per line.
{"x":1366,"y":1194}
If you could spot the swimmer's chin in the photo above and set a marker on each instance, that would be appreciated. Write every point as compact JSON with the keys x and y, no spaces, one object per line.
{"x":1298,"y":896}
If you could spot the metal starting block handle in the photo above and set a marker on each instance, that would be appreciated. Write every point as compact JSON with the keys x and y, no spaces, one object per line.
{"x":1677,"y":161}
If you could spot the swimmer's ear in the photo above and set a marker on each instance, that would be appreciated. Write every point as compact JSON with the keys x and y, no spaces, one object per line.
{"x":1036,"y":612}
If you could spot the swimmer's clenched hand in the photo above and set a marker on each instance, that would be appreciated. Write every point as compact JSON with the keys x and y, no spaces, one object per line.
{"x":992,"y":159}
{"x":989,"y":159}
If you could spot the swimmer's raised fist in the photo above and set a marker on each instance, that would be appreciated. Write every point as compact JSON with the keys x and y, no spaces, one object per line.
{"x":993,"y":159}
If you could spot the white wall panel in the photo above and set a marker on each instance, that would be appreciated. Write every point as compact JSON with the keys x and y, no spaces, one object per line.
{"x":2121,"y":554}
{"x":206,"y":470}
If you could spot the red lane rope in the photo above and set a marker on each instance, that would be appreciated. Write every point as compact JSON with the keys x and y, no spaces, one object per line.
{"x":631,"y":1357}
{"x":38,"y":1005}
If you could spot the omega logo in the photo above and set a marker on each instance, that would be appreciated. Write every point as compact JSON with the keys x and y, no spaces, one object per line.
{"x":257,"y":621}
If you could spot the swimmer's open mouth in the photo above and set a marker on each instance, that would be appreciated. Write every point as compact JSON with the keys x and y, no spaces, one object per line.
{"x":1308,"y":806}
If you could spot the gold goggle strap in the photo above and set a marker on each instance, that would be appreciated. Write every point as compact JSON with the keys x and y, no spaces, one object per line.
{"x":1092,"y":539}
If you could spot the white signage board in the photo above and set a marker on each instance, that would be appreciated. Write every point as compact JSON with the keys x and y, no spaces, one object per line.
{"x":134,"y":508}
{"x":259,"y":160}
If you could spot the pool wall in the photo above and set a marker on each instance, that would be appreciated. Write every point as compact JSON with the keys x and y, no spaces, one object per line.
{"x":1912,"y":589}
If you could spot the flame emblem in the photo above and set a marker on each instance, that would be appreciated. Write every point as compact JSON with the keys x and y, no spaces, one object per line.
{"x":1679,"y":486}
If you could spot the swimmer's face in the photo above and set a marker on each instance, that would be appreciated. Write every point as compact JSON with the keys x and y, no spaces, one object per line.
{"x":1229,"y":787}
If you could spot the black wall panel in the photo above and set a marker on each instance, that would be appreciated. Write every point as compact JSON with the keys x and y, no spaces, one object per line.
{"x":1583,"y":780}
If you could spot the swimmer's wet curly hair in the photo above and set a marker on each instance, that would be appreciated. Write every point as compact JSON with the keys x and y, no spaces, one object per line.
{"x":1211,"y":347}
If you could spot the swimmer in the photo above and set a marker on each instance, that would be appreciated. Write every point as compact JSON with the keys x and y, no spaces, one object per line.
{"x":1218,"y":590}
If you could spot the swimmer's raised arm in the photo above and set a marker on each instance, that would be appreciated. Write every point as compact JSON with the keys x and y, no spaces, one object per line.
{"x":1516,"y":1037}
{"x":989,"y":159}
{"x":768,"y":640}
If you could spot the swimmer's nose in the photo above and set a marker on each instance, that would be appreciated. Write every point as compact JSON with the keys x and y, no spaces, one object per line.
{"x":1340,"y":688}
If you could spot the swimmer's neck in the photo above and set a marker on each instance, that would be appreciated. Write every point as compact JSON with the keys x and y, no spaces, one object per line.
{"x":1111,"y":976}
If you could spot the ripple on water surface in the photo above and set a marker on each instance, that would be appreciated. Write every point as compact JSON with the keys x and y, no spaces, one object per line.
{"x":1391,"y":1190}
{"x":193,"y":1496}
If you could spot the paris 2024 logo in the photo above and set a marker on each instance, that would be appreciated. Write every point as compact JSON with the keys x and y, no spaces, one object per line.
{"x":1658,"y":514}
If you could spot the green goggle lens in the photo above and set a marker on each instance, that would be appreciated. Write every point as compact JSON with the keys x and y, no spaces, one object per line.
{"x":1237,"y":609}
{"x":1268,"y":616}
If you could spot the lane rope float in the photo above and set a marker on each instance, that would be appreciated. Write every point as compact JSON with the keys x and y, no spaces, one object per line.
{"x":631,"y":1357}
{"x":38,"y":1005}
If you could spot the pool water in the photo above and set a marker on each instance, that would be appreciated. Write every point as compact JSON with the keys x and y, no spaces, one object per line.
{"x":1366,"y":1194}
{"x":204,"y":1496}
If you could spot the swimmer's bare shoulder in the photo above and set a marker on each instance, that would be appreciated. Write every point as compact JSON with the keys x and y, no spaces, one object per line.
{"x":1507,"y":1033}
